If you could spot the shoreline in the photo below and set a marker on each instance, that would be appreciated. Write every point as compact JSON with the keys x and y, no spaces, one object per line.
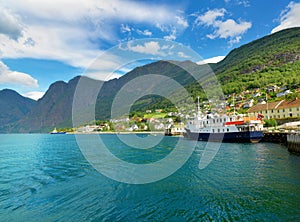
{"x":121,"y":132}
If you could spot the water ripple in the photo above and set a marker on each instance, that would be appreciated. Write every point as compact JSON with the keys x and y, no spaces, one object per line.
{"x":43,"y":177}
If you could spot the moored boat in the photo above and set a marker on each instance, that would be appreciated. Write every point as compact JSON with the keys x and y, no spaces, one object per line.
{"x":225,"y":128}
{"x":54,"y":131}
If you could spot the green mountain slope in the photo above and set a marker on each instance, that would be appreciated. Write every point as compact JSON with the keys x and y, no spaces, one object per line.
{"x":272,"y":59}
{"x":171,"y":69}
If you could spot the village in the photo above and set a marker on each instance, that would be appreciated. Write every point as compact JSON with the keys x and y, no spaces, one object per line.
{"x":279,"y":105}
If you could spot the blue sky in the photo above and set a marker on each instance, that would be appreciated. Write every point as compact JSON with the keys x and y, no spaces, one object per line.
{"x":45,"y":41}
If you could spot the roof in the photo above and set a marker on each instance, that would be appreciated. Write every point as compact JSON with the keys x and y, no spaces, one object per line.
{"x":259,"y":107}
{"x":290,"y":104}
{"x":275,"y":105}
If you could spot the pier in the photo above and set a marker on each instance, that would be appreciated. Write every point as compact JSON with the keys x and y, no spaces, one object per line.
{"x":293,"y":143}
{"x":275,"y":137}
{"x":291,"y":140}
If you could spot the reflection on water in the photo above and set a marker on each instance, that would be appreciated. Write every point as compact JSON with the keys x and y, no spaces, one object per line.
{"x":45,"y":177}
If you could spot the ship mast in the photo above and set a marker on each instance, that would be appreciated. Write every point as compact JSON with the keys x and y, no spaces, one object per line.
{"x":198,"y":108}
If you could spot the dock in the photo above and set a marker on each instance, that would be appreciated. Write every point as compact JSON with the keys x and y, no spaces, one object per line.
{"x":293,"y":142}
{"x":275,"y":137}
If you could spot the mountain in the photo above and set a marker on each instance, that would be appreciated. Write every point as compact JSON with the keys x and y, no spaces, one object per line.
{"x":54,"y":109}
{"x":272,"y":59}
{"x":177,"y":71}
{"x":13,"y":107}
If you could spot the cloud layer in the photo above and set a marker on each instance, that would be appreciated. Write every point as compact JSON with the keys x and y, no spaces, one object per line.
{"x":289,"y":18}
{"x":77,"y":33}
{"x":10,"y":24}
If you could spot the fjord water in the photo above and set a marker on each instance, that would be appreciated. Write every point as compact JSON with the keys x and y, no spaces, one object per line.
{"x":46,"y":178}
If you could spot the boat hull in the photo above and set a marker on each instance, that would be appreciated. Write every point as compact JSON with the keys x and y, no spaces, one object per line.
{"x":58,"y":133}
{"x":228,"y":137}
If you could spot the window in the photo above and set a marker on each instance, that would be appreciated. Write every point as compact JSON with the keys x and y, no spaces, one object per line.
{"x":278,"y":110}
{"x":213,"y":130}
{"x":290,"y":109}
{"x":218,"y":130}
{"x":297,"y":108}
{"x":272,"y":110}
{"x":283,"y":110}
{"x":227,"y":129}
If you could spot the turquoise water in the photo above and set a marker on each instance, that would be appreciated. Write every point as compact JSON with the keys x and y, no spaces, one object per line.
{"x":46,"y":178}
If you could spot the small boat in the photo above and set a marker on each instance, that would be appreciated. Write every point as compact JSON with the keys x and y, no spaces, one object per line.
{"x":56,"y":132}
{"x":224,"y":128}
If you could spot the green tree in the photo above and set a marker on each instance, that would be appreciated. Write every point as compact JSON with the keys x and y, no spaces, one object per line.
{"x":270,"y":123}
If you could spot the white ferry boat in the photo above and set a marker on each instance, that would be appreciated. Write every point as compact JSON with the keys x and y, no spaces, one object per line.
{"x":224,"y":128}
{"x":56,"y":132}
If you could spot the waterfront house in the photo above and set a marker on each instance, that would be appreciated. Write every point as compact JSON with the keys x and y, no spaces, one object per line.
{"x":277,"y":110}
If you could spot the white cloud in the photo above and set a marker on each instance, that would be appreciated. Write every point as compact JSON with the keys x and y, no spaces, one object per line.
{"x":17,"y":78}
{"x":182,"y":21}
{"x":226,"y":29}
{"x":209,"y":18}
{"x":125,"y":28}
{"x":235,"y":40}
{"x":211,"y":60}
{"x":150,"y":48}
{"x":230,"y":29}
{"x":73,"y":32}
{"x":289,"y":18}
{"x":103,"y":75}
{"x":183,"y":55}
{"x":66,"y":44}
{"x":146,"y":32}
{"x":245,"y":3}
{"x":171,"y":36}
{"x":35,"y":95}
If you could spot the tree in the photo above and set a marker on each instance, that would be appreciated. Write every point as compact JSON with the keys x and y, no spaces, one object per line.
{"x":270,"y":123}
